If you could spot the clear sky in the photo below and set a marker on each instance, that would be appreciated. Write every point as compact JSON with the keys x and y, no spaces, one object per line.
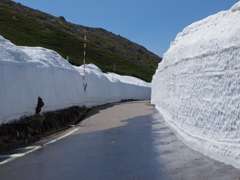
{"x":150,"y":23}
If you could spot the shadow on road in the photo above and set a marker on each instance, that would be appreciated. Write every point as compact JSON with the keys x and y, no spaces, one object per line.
{"x":143,"y":148}
{"x":124,"y":152}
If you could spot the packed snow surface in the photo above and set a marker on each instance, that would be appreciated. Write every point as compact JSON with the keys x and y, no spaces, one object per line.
{"x":197,"y":85}
{"x":27,"y":73}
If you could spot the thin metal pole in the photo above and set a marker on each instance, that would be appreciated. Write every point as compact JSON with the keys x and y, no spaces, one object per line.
{"x":85,"y":39}
{"x":113,"y":71}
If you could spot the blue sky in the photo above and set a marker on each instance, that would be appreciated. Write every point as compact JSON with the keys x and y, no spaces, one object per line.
{"x":150,"y":23}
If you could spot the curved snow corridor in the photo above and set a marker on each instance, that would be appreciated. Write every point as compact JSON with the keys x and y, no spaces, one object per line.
{"x":27,"y":73}
{"x":197,"y":85}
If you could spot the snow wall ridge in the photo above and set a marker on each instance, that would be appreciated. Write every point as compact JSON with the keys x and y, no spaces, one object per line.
{"x":197,"y":86}
{"x":39,"y":72}
{"x":210,"y":34}
{"x":205,"y":54}
{"x":236,"y":7}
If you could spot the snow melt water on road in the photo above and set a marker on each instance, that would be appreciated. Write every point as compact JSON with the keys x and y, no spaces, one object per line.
{"x":197,"y":86}
{"x":27,"y":73}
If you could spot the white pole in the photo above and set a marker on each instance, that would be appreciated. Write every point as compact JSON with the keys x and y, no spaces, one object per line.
{"x":113,"y":71}
{"x":138,"y":79}
{"x":85,"y":39}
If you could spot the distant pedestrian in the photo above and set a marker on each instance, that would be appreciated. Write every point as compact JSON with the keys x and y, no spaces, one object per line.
{"x":85,"y":88}
{"x":39,"y":105}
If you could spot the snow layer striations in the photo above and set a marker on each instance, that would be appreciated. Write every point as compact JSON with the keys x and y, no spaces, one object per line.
{"x":197,"y":86}
{"x":27,"y":73}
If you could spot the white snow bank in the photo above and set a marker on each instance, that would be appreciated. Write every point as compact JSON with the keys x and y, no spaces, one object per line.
{"x":197,"y":85}
{"x":27,"y":73}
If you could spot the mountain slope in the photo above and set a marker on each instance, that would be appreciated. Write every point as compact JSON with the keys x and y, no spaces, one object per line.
{"x":28,"y":27}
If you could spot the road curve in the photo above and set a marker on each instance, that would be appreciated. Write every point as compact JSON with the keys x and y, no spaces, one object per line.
{"x":116,"y":141}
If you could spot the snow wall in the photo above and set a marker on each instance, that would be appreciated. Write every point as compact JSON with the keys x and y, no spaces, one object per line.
{"x":197,"y":86}
{"x":27,"y":73}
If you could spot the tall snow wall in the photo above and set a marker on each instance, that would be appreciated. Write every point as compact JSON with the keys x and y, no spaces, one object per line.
{"x":197,"y":86}
{"x":27,"y":73}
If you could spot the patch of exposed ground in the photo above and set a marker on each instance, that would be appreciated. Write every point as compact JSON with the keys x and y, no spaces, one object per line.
{"x":35,"y":127}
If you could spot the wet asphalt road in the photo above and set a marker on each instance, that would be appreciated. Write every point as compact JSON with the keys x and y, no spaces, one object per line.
{"x":116,"y":141}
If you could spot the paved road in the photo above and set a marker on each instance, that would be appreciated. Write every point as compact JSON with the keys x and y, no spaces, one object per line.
{"x":116,"y":141}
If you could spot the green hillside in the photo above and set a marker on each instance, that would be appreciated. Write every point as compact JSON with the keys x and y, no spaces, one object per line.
{"x":28,"y":27}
